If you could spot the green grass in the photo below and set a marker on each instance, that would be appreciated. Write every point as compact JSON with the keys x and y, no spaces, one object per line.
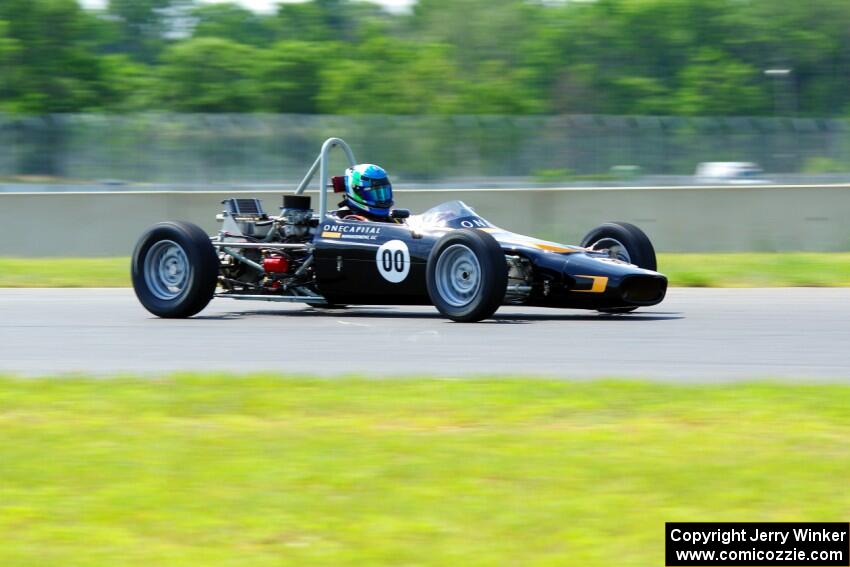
{"x":757,"y":269}
{"x":64,"y":272}
{"x":687,"y":270}
{"x":255,"y":471}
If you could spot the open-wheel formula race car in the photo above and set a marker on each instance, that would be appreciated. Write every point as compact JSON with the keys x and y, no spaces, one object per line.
{"x":447,"y":256}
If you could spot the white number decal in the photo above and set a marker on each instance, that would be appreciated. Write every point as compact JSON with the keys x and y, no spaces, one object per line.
{"x":393,"y":260}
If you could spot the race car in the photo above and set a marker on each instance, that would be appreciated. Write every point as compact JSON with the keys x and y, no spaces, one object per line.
{"x":448,"y":257}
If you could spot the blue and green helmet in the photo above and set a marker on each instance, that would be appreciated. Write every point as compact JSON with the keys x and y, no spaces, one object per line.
{"x":368,"y":188}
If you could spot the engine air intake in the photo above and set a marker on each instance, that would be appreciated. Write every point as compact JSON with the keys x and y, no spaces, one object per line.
{"x":644,"y":289}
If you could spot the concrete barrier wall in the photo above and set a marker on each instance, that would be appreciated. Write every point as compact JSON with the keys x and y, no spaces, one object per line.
{"x":685,"y":219}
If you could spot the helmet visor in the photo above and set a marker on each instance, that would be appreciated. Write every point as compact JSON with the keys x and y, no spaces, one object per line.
{"x":379,"y":194}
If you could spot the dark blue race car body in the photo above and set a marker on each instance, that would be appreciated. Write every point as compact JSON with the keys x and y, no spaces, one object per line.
{"x":350,"y":269}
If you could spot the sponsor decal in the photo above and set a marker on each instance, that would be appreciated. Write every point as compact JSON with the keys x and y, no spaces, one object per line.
{"x":393,"y":261}
{"x":352,"y":228}
{"x":360,"y":236}
{"x":473,"y":223}
{"x":351,"y":232}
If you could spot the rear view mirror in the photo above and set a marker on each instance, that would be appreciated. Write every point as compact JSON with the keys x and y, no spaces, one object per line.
{"x":400,"y":213}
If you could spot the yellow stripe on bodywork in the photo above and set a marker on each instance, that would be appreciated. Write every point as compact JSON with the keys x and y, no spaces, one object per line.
{"x":558,"y":249}
{"x":600,"y":283}
{"x":539,"y":245}
{"x":327,"y":234}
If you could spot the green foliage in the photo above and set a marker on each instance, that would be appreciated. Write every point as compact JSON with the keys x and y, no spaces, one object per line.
{"x":716,"y":84}
{"x":209,"y":75}
{"x":817,"y":165}
{"x":553,"y":175}
{"x":142,"y":25}
{"x":231,"y":21}
{"x":289,"y":72}
{"x":46,"y":63}
{"x":128,"y":85}
{"x":389,"y":76}
{"x":561,"y":175}
{"x":700,"y":57}
{"x":8,"y":49}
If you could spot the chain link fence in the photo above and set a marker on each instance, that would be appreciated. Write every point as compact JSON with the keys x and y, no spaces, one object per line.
{"x":203,"y":150}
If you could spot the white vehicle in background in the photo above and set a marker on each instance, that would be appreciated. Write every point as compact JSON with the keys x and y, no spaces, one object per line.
{"x":730,"y":172}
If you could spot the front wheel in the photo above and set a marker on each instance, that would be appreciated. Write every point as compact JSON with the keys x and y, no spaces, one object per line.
{"x":623,"y":241}
{"x":467,"y":275}
{"x":626,"y":242}
{"x":174,"y":269}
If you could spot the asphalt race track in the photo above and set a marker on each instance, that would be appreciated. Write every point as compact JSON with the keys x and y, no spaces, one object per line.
{"x":696,"y":334}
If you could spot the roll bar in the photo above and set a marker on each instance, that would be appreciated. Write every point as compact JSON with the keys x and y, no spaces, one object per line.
{"x":321,"y":164}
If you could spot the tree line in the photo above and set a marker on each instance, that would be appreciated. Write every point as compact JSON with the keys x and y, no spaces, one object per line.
{"x":662,"y":57}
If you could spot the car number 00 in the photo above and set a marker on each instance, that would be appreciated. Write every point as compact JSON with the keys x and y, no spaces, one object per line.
{"x":393,"y":260}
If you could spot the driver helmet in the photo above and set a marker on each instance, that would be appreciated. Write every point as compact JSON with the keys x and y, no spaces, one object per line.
{"x":368,"y":189}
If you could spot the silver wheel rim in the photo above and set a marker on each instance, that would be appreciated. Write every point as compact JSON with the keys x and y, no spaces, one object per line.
{"x":458,"y":275}
{"x":616,"y":249}
{"x":167,"y":270}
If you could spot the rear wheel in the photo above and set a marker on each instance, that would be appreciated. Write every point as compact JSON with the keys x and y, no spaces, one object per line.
{"x":624,"y":242}
{"x":467,"y":275}
{"x":174,"y":269}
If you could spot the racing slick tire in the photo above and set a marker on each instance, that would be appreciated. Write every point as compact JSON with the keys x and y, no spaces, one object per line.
{"x":627,"y":243}
{"x":467,"y":275}
{"x":174,"y":269}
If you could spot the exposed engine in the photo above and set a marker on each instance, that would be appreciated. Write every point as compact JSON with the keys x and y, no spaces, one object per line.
{"x":295,"y":218}
{"x":278,"y":257}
